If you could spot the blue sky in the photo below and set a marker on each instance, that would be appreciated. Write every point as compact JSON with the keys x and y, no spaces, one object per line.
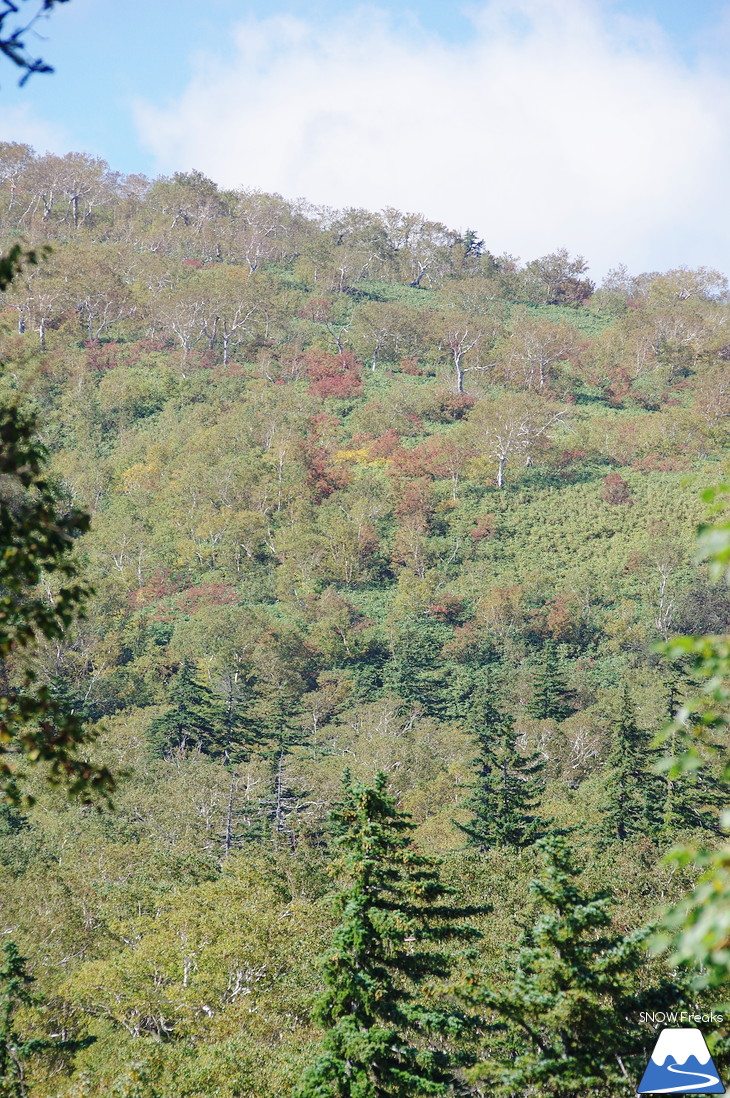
{"x":229,"y":87}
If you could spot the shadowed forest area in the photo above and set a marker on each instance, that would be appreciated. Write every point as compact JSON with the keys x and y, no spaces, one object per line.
{"x":364,"y":497}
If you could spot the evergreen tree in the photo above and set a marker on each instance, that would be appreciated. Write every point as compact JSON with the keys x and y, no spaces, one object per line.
{"x":550,"y":696}
{"x":395,"y":918}
{"x":280,"y":732}
{"x":508,"y":783}
{"x":569,"y":1019}
{"x":631,"y":790}
{"x":196,"y":718}
{"x":417,"y":670}
{"x":241,"y":730}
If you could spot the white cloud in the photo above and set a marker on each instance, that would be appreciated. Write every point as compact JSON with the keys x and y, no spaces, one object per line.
{"x":554,"y":125}
{"x":19,"y":123}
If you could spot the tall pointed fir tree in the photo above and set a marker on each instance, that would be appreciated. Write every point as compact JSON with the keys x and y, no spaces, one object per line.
{"x":242,"y":736}
{"x":550,"y":699}
{"x":632,"y":788}
{"x":568,"y":1022}
{"x":195,"y":719}
{"x":387,"y":1029}
{"x":508,"y":783}
{"x":277,"y":711}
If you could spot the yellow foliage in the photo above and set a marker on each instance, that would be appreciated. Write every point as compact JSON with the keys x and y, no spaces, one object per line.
{"x":360,"y":457}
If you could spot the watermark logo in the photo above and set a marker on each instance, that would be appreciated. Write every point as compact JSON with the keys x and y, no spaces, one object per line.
{"x":681,"y":1064}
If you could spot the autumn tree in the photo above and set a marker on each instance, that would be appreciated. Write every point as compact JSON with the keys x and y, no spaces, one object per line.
{"x":41,"y":296}
{"x":385,"y":331}
{"x":421,"y":250}
{"x":235,"y":304}
{"x":559,"y":279}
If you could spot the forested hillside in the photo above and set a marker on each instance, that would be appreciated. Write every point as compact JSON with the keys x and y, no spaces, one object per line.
{"x":364,"y":496}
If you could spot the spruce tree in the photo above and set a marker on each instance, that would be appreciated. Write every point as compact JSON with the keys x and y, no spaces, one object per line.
{"x":569,"y":1018}
{"x":385,"y":1033}
{"x":550,"y":695}
{"x":632,"y":788}
{"x":280,"y":732}
{"x":196,"y":718}
{"x":508,"y":783}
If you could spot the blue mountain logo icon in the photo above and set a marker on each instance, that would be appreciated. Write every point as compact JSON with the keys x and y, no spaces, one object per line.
{"x":681,"y":1064}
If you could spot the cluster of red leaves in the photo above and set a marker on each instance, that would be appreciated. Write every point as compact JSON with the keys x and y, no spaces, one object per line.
{"x":323,"y":475}
{"x":331,"y":375}
{"x":449,"y":608}
{"x":615,"y":490}
{"x":377,"y":446}
{"x":158,"y":587}
{"x":465,"y":642}
{"x":660,"y":463}
{"x":569,"y":457}
{"x":561,"y":617}
{"x":619,"y":387}
{"x":436,"y":457}
{"x":205,"y":594}
{"x":413,"y":497}
{"x":368,"y":541}
{"x":453,"y":406}
{"x":485,"y":526}
{"x":106,"y":356}
{"x":317,"y":309}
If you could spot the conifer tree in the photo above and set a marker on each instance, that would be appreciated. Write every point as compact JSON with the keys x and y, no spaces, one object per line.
{"x":196,"y":718}
{"x":508,"y":783}
{"x":550,"y":696}
{"x":240,"y":728}
{"x":280,"y":732}
{"x":569,"y":1019}
{"x":382,"y":1024}
{"x":631,"y":791}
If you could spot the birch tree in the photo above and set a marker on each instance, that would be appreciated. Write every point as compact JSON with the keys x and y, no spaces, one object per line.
{"x":512,"y":426}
